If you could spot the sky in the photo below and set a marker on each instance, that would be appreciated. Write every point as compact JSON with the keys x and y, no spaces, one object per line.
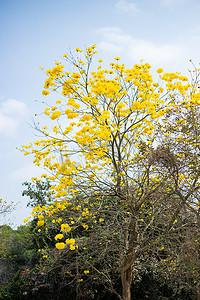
{"x":165,"y":33}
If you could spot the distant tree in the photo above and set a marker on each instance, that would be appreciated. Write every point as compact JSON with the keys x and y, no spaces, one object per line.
{"x":5,"y":208}
{"x":38,"y":192}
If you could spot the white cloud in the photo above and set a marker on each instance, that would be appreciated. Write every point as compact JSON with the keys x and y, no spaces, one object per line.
{"x":8,"y":125}
{"x":173,"y":3}
{"x":11,"y":114}
{"x":154,"y":53}
{"x":127,"y":7}
{"x":14,"y":107}
{"x":115,"y":41}
{"x":115,"y":36}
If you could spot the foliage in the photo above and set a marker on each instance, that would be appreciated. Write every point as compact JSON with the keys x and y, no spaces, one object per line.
{"x":17,"y":252}
{"x":38,"y":193}
{"x":51,"y":274}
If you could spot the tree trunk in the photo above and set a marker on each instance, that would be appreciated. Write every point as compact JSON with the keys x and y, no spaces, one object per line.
{"x":126,"y":278}
{"x":198,"y":290}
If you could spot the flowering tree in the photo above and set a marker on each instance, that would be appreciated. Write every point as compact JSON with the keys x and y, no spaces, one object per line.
{"x":107,"y":172}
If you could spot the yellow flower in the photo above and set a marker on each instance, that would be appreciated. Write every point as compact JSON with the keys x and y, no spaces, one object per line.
{"x":76,"y":75}
{"x":56,"y":115}
{"x":86,"y":271}
{"x":161,"y":89}
{"x":44,"y":176}
{"x":70,"y":241}
{"x":47,"y":111}
{"x":160,"y":70}
{"x":45,"y":93}
{"x":85,"y":226}
{"x":25,"y":220}
{"x":65,"y":227}
{"x":101,"y":220}
{"x":72,"y":247}
{"x":60,"y":245}
{"x":40,"y":223}
{"x":59,"y":236}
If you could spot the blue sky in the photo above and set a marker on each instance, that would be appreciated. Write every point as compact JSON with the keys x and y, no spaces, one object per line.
{"x":165,"y":33}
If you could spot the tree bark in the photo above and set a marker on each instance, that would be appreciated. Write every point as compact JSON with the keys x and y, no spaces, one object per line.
{"x":126,"y":278}
{"x":198,"y":290}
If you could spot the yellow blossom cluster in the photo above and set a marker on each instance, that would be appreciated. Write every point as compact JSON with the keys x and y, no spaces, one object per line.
{"x":98,"y":125}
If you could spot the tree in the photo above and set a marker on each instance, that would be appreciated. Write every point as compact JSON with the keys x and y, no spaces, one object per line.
{"x":4,"y":229}
{"x":5,"y":208}
{"x":38,"y":193}
{"x":108,"y":169}
{"x":179,"y":134}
